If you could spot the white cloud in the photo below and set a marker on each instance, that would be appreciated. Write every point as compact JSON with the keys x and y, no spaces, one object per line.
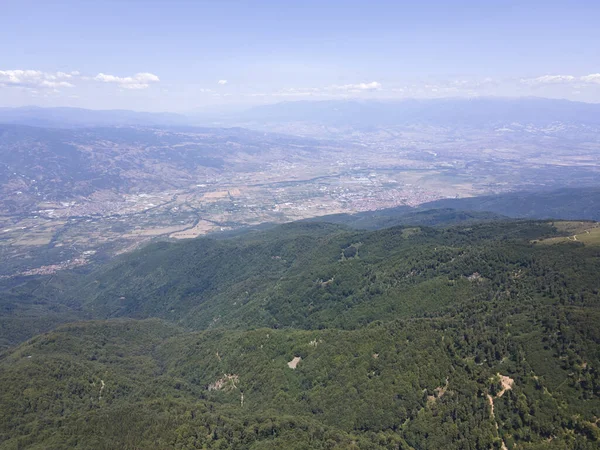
{"x":549,"y":79}
{"x":372,"y":86}
{"x":591,"y":78}
{"x":63,"y":75}
{"x":56,"y":84}
{"x":294,"y":93}
{"x":471,"y":83}
{"x":140,"y":80}
{"x":332,"y":91}
{"x":222,"y":82}
{"x":35,"y":79}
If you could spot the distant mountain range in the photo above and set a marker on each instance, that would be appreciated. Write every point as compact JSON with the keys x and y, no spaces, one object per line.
{"x":79,"y":117}
{"x":451,"y":112}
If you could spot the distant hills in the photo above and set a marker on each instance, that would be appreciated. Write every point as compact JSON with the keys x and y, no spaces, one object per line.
{"x":53,"y":164}
{"x":565,"y":204}
{"x":446,"y":112}
{"x":408,"y":216}
{"x":79,"y":117}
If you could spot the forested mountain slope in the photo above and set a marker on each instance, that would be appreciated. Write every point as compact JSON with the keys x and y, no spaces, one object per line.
{"x":410,"y":216}
{"x":318,"y":275}
{"x":311,"y":335}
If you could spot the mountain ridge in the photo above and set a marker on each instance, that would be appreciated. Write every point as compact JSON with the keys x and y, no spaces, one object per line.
{"x":400,"y":338}
{"x":448,"y":110}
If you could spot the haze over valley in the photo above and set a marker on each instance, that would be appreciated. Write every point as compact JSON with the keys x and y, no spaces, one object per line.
{"x":71,"y":191}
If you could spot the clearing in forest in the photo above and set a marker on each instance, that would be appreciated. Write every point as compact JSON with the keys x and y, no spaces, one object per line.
{"x":294,"y":362}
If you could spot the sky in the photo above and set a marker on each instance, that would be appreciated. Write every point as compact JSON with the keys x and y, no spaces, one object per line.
{"x":184,"y":56}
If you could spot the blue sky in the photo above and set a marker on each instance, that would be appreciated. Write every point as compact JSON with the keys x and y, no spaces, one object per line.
{"x":187,"y":55}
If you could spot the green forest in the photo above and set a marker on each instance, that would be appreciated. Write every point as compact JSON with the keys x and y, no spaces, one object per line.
{"x":312,"y":335}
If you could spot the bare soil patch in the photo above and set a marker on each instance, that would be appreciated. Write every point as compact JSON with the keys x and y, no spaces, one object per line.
{"x":294,"y":362}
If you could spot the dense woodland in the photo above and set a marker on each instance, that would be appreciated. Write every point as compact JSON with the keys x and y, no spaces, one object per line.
{"x":313,"y":335}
